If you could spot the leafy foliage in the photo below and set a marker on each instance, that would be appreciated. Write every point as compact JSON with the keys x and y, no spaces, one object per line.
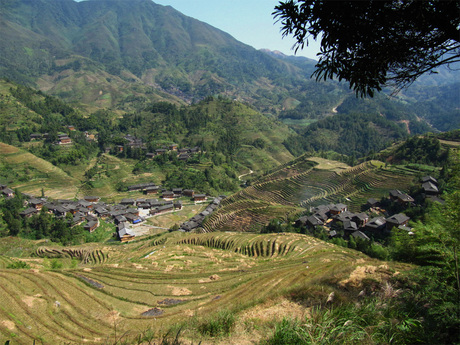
{"x":351,"y":134}
{"x":372,"y":43}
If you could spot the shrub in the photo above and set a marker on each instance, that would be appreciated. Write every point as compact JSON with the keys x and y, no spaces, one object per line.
{"x":219,"y":324}
{"x":18,"y":264}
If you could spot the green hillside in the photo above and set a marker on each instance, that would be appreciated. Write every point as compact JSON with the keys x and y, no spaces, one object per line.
{"x":111,"y":54}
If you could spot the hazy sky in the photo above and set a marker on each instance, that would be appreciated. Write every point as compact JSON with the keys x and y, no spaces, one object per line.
{"x":249,"y":21}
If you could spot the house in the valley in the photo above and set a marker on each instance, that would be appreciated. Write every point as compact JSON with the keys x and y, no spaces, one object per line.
{"x":64,"y":140}
{"x":360,"y":235}
{"x":7,"y":192}
{"x":429,"y":179}
{"x":177,"y":205}
{"x":127,"y":201}
{"x":397,"y":220}
{"x":134,"y":219}
{"x":338,"y":208}
{"x":168,"y":195}
{"x":124,"y":233}
{"x":429,"y":188}
{"x":199,"y":197}
{"x":28,"y":212}
{"x":375,"y":225}
{"x":177,"y":192}
{"x":91,"y":225}
{"x":188,"y":192}
{"x":372,"y":203}
{"x":92,"y":198}
{"x":151,"y":190}
{"x":36,"y":203}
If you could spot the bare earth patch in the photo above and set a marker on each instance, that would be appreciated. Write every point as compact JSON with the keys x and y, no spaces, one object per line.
{"x":214,"y":277}
{"x":362,"y":272}
{"x":276,"y":310}
{"x":9,"y":324}
{"x":178,"y":291}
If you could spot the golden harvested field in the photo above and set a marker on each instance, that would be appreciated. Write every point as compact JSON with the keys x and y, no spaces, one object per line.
{"x":177,"y":279}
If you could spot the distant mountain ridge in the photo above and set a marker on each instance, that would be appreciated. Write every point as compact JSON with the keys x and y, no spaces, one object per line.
{"x":154,"y":43}
{"x":118,"y":54}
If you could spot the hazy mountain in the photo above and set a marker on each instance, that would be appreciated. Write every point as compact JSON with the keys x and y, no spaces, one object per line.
{"x":117,"y":54}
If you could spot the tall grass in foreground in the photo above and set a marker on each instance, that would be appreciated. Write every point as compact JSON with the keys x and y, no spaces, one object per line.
{"x":219,"y":324}
{"x":371,"y":322}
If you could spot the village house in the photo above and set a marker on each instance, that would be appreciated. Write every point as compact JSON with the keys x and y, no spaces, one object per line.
{"x":375,"y":225}
{"x":133,"y":218}
{"x":397,"y":220}
{"x":402,"y":198}
{"x":177,"y":205}
{"x":91,"y":225}
{"x":101,"y":212}
{"x":36,"y":203}
{"x":92,"y":198}
{"x":360,"y":219}
{"x":64,"y":140}
{"x":372,"y":203}
{"x":429,"y":188}
{"x":199,"y":197}
{"x":349,"y":226}
{"x":124,"y":234}
{"x":338,"y":208}
{"x":85,"y":204}
{"x":28,"y":212}
{"x":7,"y":192}
{"x":168,"y":195}
{"x":359,"y":234}
{"x":163,"y":209}
{"x":183,"y":157}
{"x":151,"y":190}
{"x":429,"y":179}
{"x":188,"y":192}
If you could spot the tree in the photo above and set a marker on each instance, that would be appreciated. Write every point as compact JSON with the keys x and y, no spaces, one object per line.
{"x":372,"y":44}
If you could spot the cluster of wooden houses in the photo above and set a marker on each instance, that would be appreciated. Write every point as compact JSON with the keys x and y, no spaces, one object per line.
{"x":183,"y":154}
{"x":174,"y":193}
{"x":359,"y":225}
{"x":197,"y":221}
{"x":90,"y":209}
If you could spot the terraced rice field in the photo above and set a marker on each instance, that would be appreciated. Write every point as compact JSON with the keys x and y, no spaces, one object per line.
{"x":42,"y":174}
{"x":173,"y":279}
{"x":304,"y":183}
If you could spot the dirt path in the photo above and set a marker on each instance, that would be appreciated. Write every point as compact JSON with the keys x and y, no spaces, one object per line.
{"x":249,"y":173}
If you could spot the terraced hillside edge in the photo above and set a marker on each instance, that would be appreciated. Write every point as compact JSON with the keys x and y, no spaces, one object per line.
{"x":157,"y":284}
{"x":306,"y":182}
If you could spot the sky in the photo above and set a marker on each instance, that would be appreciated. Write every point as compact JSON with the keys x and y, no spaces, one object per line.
{"x":249,"y":21}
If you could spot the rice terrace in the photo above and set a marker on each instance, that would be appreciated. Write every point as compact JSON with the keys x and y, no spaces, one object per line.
{"x":163,"y":183}
{"x":170,"y":281}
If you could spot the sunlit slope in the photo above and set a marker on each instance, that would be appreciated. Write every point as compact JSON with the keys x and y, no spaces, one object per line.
{"x":173,"y":277}
{"x":305,"y":182}
{"x":35,"y":174}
